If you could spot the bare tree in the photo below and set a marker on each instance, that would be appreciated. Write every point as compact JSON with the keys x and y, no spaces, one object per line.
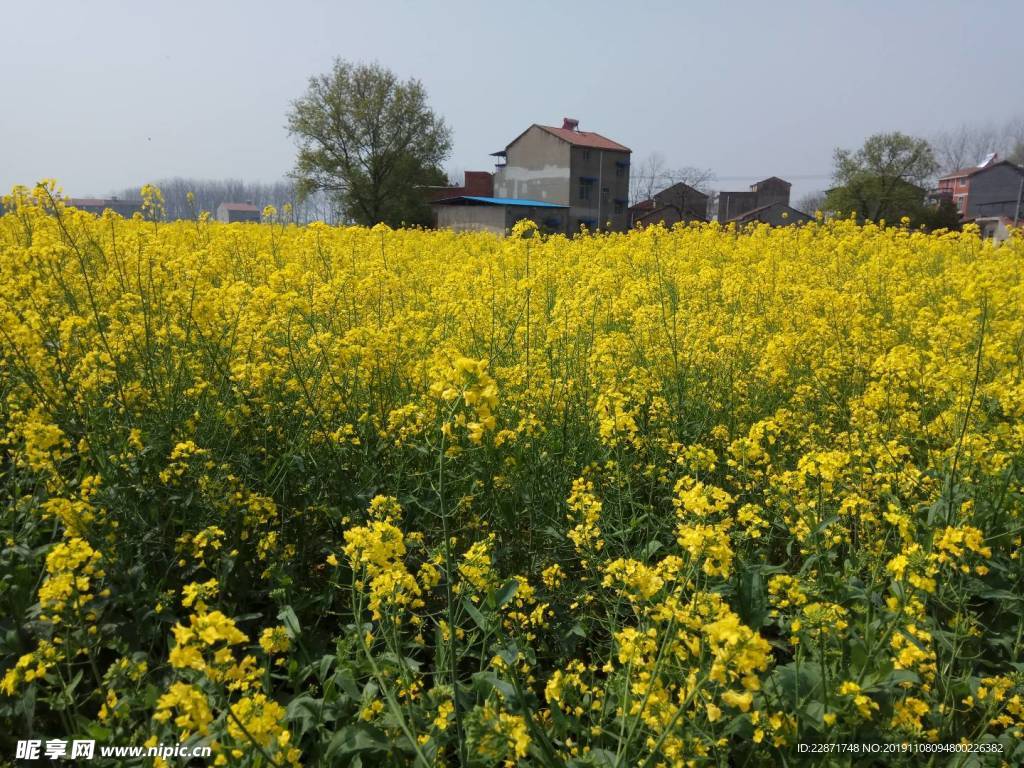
{"x":645,"y":177}
{"x":812,"y":201}
{"x":186,"y":198}
{"x":653,"y":174}
{"x":968,"y":145}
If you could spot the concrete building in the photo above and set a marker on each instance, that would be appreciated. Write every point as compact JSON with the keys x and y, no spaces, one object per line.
{"x":565,"y":166}
{"x":234,"y":212}
{"x":996,"y":190}
{"x":765,"y":192}
{"x":98,"y":205}
{"x":674,"y":204}
{"x":473,"y":213}
{"x":777,"y":214}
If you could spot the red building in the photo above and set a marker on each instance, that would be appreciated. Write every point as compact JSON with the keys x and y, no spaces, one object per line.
{"x":478,"y":183}
{"x":957,"y":185}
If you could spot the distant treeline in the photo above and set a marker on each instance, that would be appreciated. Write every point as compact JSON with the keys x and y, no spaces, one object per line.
{"x":210,"y":193}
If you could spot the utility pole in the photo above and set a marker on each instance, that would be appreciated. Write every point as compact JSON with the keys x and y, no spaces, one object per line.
{"x":1020,"y":196}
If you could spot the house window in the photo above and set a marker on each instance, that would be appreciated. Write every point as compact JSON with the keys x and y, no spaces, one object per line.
{"x":619,"y":206}
{"x":586,"y":154}
{"x":620,"y":170}
{"x":586,"y":188}
{"x":960,"y":203}
{"x":605,"y":194}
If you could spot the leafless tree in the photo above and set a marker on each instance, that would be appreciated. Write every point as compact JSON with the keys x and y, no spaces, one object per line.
{"x":207,"y":194}
{"x":812,"y":201}
{"x":968,"y":145}
{"x":653,"y":174}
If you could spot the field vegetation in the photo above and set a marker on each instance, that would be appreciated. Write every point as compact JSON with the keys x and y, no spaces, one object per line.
{"x":373,"y":497}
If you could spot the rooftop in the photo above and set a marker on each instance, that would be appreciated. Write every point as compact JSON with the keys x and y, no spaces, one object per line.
{"x":753,"y":214}
{"x":477,"y":200}
{"x":585,"y":138}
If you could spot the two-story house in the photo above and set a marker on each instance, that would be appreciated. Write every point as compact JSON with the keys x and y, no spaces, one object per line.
{"x":956,"y":185}
{"x":996,"y":190}
{"x":772,"y":191}
{"x":677,"y":203}
{"x":583,"y":170}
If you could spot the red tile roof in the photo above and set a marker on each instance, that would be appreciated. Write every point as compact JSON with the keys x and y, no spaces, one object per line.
{"x":585,"y":139}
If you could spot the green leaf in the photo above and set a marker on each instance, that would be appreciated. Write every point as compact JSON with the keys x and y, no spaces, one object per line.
{"x":488,"y":680}
{"x":353,"y":739}
{"x":506,"y":592}
{"x":290,"y":621}
{"x":474,"y":612}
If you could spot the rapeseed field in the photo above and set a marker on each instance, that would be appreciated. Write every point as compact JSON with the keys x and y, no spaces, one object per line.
{"x":370,"y":497}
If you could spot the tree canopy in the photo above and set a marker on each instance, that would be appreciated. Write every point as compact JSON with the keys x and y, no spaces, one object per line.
{"x":371,"y":140}
{"x":884,"y":179}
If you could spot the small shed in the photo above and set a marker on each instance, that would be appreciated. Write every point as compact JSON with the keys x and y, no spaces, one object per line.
{"x":473,"y":213}
{"x":232,"y":212}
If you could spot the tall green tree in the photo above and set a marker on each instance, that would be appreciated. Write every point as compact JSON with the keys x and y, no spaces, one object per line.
{"x":371,"y":140}
{"x":884,"y":179}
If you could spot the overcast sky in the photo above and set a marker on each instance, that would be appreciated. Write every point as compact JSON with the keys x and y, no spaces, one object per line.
{"x":104,"y":95}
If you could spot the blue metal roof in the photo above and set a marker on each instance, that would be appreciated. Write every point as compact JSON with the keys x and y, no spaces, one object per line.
{"x":502,"y":201}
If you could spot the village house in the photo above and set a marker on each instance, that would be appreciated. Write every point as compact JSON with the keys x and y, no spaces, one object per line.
{"x":583,"y":170}
{"x":996,"y":190}
{"x":476,"y":213}
{"x":561,"y":178}
{"x":956,"y":185}
{"x":777,"y":214}
{"x":732,"y":205}
{"x":98,"y":205}
{"x":235,"y":212}
{"x":677,"y":203}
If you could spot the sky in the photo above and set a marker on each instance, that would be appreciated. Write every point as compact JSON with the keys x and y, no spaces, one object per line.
{"x":106,"y":95}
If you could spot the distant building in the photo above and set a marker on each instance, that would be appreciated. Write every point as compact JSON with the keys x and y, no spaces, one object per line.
{"x":582,"y":170}
{"x":996,"y":190}
{"x":473,"y":213}
{"x":98,"y":205}
{"x":776,"y":214}
{"x":677,"y":203}
{"x":234,"y":212}
{"x":956,"y":185}
{"x":762,"y":193}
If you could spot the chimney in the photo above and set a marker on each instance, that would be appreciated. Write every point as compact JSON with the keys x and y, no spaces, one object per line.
{"x":571,"y":123}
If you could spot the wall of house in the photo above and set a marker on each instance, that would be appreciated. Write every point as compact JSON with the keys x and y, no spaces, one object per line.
{"x":733,"y":204}
{"x":549,"y":220}
{"x":609,"y":190}
{"x":782,"y":215}
{"x":537,"y":168}
{"x":994,"y":228}
{"x":471,"y":218}
{"x":684,"y":198}
{"x":770,"y":192}
{"x":958,"y":188}
{"x":994,"y":191}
